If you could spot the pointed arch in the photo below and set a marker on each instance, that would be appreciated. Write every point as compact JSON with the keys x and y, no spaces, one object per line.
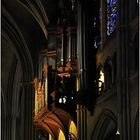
{"x":55,"y":121}
{"x":37,"y":12}
{"x":47,"y":134}
{"x":105,"y":125}
{"x":72,"y":130}
{"x":12,"y":35}
{"x":61,"y":135}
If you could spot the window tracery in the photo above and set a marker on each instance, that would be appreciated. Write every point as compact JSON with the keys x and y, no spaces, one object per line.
{"x":111,"y":16}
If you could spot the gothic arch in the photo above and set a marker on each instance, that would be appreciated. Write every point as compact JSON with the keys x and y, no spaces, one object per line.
{"x":20,"y":76}
{"x":12,"y":33}
{"x":49,"y":128}
{"x":52,"y":119}
{"x":72,"y":130}
{"x":44,"y":132}
{"x":105,"y":125}
{"x":22,"y":59}
{"x":37,"y":10}
{"x":56,"y":122}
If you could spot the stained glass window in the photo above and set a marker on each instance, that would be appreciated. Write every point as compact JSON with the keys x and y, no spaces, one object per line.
{"x":111,"y":16}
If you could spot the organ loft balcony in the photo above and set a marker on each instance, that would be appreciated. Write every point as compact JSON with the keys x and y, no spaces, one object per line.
{"x":56,"y":89}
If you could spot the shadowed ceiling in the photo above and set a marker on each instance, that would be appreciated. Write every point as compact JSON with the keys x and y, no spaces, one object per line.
{"x":37,"y":20}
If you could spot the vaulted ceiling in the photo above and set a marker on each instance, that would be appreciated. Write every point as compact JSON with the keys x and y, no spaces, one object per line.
{"x":37,"y":16}
{"x":35,"y":19}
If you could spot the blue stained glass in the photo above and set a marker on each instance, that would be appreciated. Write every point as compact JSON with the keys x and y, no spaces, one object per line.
{"x":111,"y":16}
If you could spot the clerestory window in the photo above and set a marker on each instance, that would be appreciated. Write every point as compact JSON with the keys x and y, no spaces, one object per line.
{"x":111,"y":16}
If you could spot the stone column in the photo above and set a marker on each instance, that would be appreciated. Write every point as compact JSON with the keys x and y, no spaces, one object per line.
{"x":26,"y":111}
{"x":81,"y":57}
{"x":85,"y":122}
{"x":8,"y":120}
{"x":82,"y":122}
{"x":3,"y":119}
{"x":13,"y":134}
{"x":78,"y":122}
{"x":122,"y":71}
{"x":79,"y":67}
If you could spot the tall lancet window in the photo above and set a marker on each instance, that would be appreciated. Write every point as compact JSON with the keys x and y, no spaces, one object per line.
{"x":111,"y":16}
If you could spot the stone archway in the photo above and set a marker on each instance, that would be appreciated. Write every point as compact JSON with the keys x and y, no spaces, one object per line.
{"x":18,"y":93}
{"x":106,"y":127}
{"x":72,"y":131}
{"x":58,"y":123}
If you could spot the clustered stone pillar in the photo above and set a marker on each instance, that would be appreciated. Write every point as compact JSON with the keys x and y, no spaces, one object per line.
{"x":26,"y":111}
{"x":122,"y":71}
{"x":81,"y":58}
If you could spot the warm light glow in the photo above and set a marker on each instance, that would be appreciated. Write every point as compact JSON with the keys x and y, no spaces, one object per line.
{"x":41,"y":91}
{"x":101,"y":80}
{"x":60,"y":100}
{"x":73,"y":129}
{"x":77,"y":84}
{"x":50,"y":137}
{"x":39,"y":95}
{"x":117,"y":133}
{"x":46,"y":91}
{"x":64,"y":100}
{"x":61,"y":136}
{"x":62,"y":59}
{"x":66,"y":74}
{"x":36,"y":103}
{"x":101,"y":76}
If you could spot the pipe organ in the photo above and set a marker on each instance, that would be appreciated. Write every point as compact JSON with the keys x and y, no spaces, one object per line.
{"x":63,"y":77}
